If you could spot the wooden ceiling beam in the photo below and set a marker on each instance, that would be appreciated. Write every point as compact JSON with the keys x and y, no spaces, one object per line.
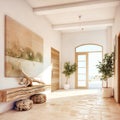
{"x":79,"y":25}
{"x":61,"y":8}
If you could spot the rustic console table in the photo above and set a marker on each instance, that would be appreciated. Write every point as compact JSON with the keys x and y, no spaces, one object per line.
{"x":13,"y":94}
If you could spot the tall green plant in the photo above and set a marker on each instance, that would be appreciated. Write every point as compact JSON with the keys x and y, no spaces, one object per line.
{"x":106,"y":67}
{"x":68,"y":70}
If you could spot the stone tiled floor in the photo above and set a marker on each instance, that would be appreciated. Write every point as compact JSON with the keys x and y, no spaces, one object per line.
{"x":70,"y":105}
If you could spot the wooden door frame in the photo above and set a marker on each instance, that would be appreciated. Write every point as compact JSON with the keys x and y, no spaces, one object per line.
{"x":76,"y":75}
{"x":119,"y":68}
{"x":58,"y":68}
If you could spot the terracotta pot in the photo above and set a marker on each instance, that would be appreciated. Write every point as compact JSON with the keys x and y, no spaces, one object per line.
{"x":107,"y":92}
{"x":66,"y":86}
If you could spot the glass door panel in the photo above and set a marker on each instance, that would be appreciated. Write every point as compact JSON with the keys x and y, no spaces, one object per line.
{"x":81,"y":64}
{"x":81,"y":70}
{"x":93,"y":76}
{"x":82,"y":73}
{"x":81,"y":58}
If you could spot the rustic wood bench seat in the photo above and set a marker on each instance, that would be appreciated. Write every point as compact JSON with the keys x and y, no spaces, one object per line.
{"x":13,"y":94}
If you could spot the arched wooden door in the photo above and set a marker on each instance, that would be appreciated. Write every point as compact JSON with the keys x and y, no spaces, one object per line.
{"x":87,"y":57}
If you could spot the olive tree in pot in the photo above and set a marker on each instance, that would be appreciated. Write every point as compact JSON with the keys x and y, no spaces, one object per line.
{"x":68,"y":70}
{"x":106,"y":70}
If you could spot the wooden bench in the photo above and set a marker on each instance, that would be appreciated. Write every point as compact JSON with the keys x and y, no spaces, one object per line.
{"x":13,"y":94}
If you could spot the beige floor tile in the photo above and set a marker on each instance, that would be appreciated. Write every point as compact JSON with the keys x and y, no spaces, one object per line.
{"x":70,"y":105}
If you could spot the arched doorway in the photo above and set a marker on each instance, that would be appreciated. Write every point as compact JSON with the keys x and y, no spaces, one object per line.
{"x":87,"y":57}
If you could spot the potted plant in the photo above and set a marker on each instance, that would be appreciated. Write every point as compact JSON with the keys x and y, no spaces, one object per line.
{"x":68,"y":70}
{"x":106,"y":70}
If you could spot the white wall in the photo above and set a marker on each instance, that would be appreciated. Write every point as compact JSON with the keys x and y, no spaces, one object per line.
{"x":116,"y":26}
{"x":71,"y":40}
{"x":116,"y":31}
{"x":22,"y":12}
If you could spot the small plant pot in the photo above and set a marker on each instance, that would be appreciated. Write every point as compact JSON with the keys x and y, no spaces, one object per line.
{"x":107,"y":92}
{"x":66,"y":86}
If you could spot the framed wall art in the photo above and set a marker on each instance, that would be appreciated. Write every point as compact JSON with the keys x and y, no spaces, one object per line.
{"x":21,"y":45}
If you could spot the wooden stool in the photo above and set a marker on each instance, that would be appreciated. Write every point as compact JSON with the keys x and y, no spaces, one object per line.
{"x":38,"y":98}
{"x":23,"y":105}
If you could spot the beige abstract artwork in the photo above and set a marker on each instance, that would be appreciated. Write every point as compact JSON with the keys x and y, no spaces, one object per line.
{"x":21,"y":44}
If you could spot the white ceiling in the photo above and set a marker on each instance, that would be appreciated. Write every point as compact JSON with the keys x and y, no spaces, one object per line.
{"x":64,"y":14}
{"x":42,"y":3}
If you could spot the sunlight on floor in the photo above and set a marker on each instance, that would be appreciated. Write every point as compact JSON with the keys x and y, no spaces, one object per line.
{"x":71,"y":92}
